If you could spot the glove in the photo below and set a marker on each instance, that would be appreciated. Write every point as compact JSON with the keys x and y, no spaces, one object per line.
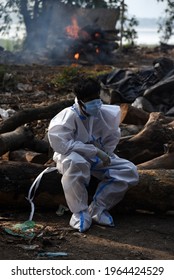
{"x":104,"y":157}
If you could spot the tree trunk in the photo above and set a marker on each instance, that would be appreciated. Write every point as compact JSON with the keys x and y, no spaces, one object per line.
{"x":36,"y":23}
{"x":155,"y":191}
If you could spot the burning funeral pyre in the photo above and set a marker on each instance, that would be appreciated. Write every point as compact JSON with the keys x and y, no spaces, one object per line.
{"x":89,"y":43}
{"x":74,"y":35}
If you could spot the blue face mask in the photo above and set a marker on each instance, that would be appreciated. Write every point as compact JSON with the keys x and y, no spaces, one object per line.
{"x":92,"y":107}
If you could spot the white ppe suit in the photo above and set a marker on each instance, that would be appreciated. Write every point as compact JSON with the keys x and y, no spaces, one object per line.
{"x":75,"y":139}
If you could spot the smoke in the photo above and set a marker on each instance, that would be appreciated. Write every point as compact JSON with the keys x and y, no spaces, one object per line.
{"x":49,"y":42}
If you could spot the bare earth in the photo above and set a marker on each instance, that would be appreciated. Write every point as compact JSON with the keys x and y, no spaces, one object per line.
{"x":136,"y":236}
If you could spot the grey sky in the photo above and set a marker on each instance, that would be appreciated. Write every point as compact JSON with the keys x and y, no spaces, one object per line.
{"x":146,"y":8}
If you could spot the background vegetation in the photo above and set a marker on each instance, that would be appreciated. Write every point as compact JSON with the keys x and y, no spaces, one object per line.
{"x":30,"y":14}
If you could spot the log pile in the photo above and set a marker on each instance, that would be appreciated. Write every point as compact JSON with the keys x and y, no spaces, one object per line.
{"x":23,"y":157}
{"x":151,"y":141}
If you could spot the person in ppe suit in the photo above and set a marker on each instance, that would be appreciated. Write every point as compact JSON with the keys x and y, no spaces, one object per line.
{"x":84,"y":138}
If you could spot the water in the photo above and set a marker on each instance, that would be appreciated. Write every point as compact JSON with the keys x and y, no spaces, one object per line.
{"x":149,"y":36}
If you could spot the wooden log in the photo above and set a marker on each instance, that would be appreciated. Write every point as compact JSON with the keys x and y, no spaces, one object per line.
{"x":124,"y":109}
{"x":16,"y":179}
{"x":22,"y":137}
{"x":149,"y":142}
{"x":135,"y":116}
{"x":14,"y":140}
{"x":28,"y":156}
{"x":155,"y":191}
{"x":129,"y":130}
{"x":29,"y":115}
{"x":165,"y":161}
{"x":39,"y":146}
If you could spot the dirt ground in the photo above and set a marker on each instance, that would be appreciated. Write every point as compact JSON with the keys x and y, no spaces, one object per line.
{"x":136,"y":236}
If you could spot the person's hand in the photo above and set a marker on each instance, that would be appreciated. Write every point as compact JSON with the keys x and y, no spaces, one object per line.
{"x":104,"y":157}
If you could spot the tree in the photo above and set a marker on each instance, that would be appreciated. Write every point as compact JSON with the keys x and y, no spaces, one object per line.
{"x":127,"y":25}
{"x":130,"y":33}
{"x":31,"y":14}
{"x":166,"y":25}
{"x":34,"y":17}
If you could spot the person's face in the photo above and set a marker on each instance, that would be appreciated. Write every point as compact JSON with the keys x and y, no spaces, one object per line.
{"x":91,"y":105}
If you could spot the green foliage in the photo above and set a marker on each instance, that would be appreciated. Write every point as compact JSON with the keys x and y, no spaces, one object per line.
{"x":130,"y":34}
{"x":65,"y":77}
{"x":11,"y":45}
{"x":127,"y":25}
{"x":92,"y":3}
{"x":29,"y":12}
{"x":166,"y":24}
{"x":8,"y":45}
{"x":72,"y":73}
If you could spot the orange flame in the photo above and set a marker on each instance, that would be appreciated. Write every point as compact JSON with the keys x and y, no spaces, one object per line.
{"x":73,"y":30}
{"x":97,"y":35}
{"x":76,"y":56}
{"x":97,"y":50}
